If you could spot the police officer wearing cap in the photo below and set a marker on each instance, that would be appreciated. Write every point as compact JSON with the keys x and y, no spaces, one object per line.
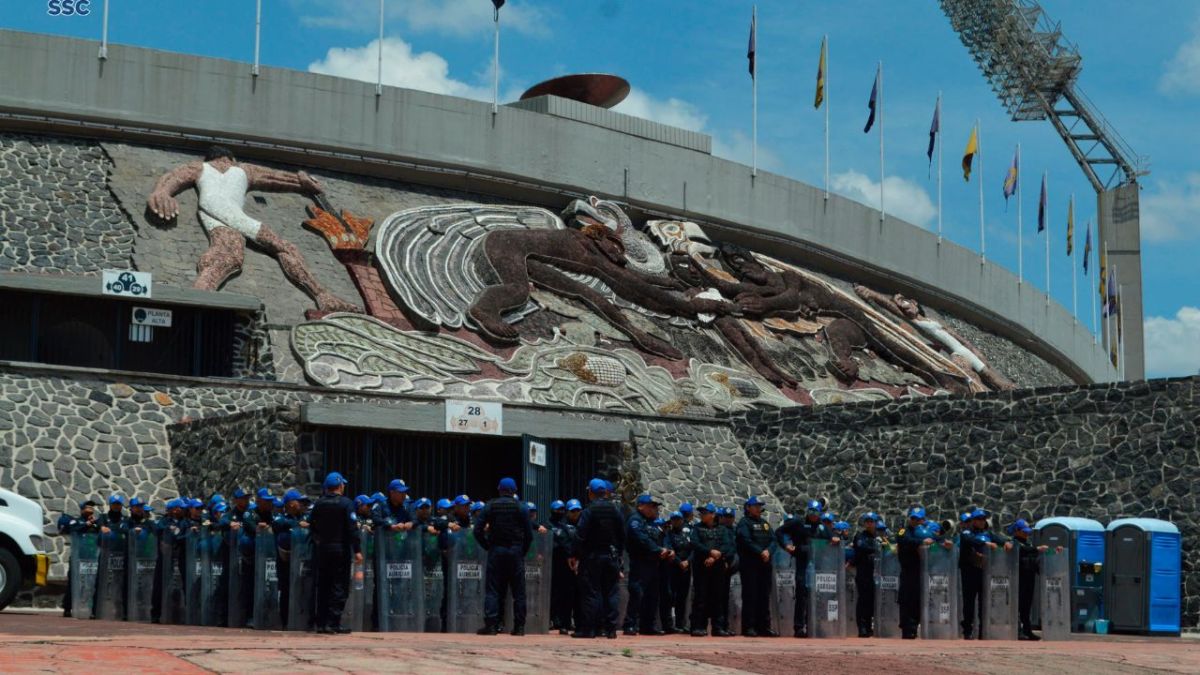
{"x":393,"y":513}
{"x":505,"y":530}
{"x":67,"y":526}
{"x":294,"y":515}
{"x":795,"y":536}
{"x":644,"y":543}
{"x":918,"y":534}
{"x":679,"y":538}
{"x":562,"y":577}
{"x":170,"y":530}
{"x":334,"y":528}
{"x":1029,"y":567}
{"x":710,"y":553}
{"x":600,"y":535}
{"x":975,"y":542}
{"x":754,"y":538}
{"x":866,"y":548}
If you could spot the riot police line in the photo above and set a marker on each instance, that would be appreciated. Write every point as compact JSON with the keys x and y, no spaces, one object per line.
{"x":184,"y":569}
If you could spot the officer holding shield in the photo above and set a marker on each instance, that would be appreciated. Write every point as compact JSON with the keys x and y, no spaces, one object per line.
{"x":335,"y":538}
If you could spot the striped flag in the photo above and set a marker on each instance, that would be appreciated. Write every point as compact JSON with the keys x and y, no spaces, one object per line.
{"x":1042,"y":206}
{"x":969,"y":153}
{"x":750,"y":47}
{"x":1087,"y":248}
{"x":820,"y":96}
{"x":1010,"y":179}
{"x":1071,"y":226}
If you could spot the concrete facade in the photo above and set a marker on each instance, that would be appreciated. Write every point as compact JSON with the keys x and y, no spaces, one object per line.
{"x":318,"y":120}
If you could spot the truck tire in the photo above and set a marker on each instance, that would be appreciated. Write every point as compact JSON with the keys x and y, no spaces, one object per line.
{"x":10,"y":577}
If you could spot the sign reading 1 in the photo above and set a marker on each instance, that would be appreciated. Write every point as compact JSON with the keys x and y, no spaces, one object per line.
{"x":474,"y":417}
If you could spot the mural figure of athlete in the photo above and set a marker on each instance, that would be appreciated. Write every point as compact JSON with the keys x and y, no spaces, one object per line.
{"x":222,"y":183}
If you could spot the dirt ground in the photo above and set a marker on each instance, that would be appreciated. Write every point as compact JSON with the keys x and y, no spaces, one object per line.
{"x":43,"y":642}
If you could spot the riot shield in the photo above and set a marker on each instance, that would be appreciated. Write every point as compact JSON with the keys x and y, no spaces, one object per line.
{"x":85,"y":567}
{"x":887,"y":594}
{"x":468,"y":560}
{"x":939,"y":593}
{"x":214,"y":589}
{"x":266,"y":582}
{"x":735,"y":603}
{"x":171,"y":543}
{"x":302,"y":588}
{"x":400,"y":584}
{"x":783,"y":590}
{"x":236,"y":583}
{"x":851,"y":595}
{"x":110,"y":577}
{"x":1056,"y":595}
{"x":360,"y":606}
{"x":537,"y":585}
{"x":141,"y":555}
{"x":193,"y":570}
{"x":1000,"y":594}
{"x":827,"y":597}
{"x":433,"y":595}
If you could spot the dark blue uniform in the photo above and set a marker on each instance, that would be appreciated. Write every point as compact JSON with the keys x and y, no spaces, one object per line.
{"x":866,"y":555}
{"x":754,"y":537}
{"x":1029,"y":567}
{"x":972,"y":557}
{"x":601,"y":537}
{"x":562,"y":579}
{"x":908,"y":554}
{"x":504,"y":529}
{"x":644,"y":542}
{"x":334,"y":529}
{"x":67,"y":526}
{"x":679,"y":576}
{"x":282,"y":527}
{"x":799,"y":532}
{"x":708,"y":579}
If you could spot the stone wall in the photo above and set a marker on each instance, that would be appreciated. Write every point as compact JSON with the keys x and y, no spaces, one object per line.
{"x":1103,"y":452}
{"x":682,"y":461}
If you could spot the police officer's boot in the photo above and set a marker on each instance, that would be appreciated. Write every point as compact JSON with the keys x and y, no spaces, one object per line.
{"x":488,"y":629}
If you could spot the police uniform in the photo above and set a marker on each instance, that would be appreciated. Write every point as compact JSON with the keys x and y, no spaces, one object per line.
{"x":754,"y":537}
{"x":505,"y":531}
{"x":282,"y":525}
{"x":679,"y":538}
{"x":731,"y":565}
{"x":171,"y":531}
{"x":644,"y":543}
{"x":974,"y":545}
{"x":908,"y":554}
{"x":1029,"y":566}
{"x":866,"y":550}
{"x":799,"y":531}
{"x":67,"y":526}
{"x":600,"y":534}
{"x":334,"y":528}
{"x":562,"y":579}
{"x":709,"y":579}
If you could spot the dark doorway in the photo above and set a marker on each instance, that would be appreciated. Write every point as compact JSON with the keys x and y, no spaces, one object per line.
{"x":1127,"y":589}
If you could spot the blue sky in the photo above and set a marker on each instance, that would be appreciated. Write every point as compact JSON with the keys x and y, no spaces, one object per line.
{"x":686,"y":61}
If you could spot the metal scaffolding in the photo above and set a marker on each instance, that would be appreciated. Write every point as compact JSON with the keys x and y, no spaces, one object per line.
{"x":1033,"y":70}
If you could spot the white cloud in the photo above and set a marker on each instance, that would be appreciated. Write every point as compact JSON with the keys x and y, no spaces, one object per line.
{"x":904,"y":199}
{"x":1171,"y":343}
{"x":456,"y":18}
{"x":1172,"y":210}
{"x":672,"y":112}
{"x":1182,"y":73}
{"x":426,"y":71}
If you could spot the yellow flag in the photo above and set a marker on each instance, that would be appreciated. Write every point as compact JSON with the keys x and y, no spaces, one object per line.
{"x":820,"y":96}
{"x":969,"y":154}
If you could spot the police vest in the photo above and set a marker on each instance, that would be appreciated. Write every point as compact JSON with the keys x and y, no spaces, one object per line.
{"x":710,"y":538}
{"x":760,"y":531}
{"x":606,"y":529}
{"x":506,"y":521}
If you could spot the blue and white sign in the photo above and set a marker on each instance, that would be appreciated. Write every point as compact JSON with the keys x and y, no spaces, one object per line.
{"x":126,"y":283}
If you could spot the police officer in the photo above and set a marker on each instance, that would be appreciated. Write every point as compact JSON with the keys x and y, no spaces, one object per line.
{"x":505,"y":530}
{"x":754,"y":537}
{"x":866,"y":548}
{"x":562,"y":577}
{"x":393,"y":512}
{"x":67,"y":525}
{"x":688,"y":511}
{"x":644,"y":543}
{"x":912,"y":538}
{"x":600,"y":534}
{"x":334,"y":529}
{"x":975,"y":542}
{"x":1029,"y":566}
{"x":294,"y":515}
{"x":709,"y":557}
{"x":171,"y":530}
{"x":795,"y":536}
{"x":679,"y":573}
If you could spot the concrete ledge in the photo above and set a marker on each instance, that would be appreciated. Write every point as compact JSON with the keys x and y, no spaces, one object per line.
{"x":89,"y":286}
{"x":608,"y":119}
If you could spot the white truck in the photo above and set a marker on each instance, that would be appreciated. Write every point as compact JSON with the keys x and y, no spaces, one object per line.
{"x":22,"y":561}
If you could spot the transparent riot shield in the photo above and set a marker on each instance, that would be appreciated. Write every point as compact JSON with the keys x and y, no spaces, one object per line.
{"x":735,"y":603}
{"x":141,"y":555}
{"x":468,"y":561}
{"x":214,"y":585}
{"x":85,"y":567}
{"x":303,"y":587}
{"x":360,"y":606}
{"x":237,"y":582}
{"x":1000,"y":594}
{"x":266,"y":582}
{"x":783,"y":591}
{"x":110,"y":577}
{"x":171,"y":544}
{"x":193,"y":570}
{"x":433,"y":595}
{"x":939,"y":593}
{"x":827,"y":597}
{"x":400,"y":583}
{"x":1056,"y":595}
{"x":887,"y":594}
{"x":537,"y":585}
{"x":851,"y":595}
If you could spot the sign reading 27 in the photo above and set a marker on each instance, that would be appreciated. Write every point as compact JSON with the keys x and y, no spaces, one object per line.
{"x":69,"y":7}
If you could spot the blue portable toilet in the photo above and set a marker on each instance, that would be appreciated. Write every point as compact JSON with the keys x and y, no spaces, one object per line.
{"x":1084,"y":540}
{"x":1144,"y":575}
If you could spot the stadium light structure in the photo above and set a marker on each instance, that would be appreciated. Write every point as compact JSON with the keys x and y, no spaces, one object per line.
{"x":1033,"y":70}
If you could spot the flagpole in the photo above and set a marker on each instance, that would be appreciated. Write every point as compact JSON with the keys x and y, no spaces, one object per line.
{"x":979,"y":154}
{"x":1046,"y":174}
{"x":1086,"y":256}
{"x":1104,"y":301}
{"x":379,"y":65}
{"x":257,"y":34}
{"x":939,"y":148}
{"x":1020,"y":223}
{"x":825,"y":100}
{"x":882,"y":212}
{"x":103,"y":55}
{"x":1121,"y":330}
{"x":1074,"y":280}
{"x":754,"y":95}
{"x":496,"y":68}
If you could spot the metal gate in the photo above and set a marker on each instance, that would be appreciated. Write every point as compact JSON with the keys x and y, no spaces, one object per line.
{"x":537,"y":480}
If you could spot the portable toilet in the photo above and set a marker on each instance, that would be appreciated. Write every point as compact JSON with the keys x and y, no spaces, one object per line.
{"x":1143,"y":569}
{"x":1083,"y":539}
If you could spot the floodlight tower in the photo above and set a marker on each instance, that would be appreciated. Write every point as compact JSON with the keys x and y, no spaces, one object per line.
{"x":1033,"y":70}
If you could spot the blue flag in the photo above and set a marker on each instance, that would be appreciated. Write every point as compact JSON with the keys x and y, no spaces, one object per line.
{"x":871,"y":104}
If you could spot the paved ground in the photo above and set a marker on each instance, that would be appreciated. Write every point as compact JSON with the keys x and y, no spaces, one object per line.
{"x":41,"y":642}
